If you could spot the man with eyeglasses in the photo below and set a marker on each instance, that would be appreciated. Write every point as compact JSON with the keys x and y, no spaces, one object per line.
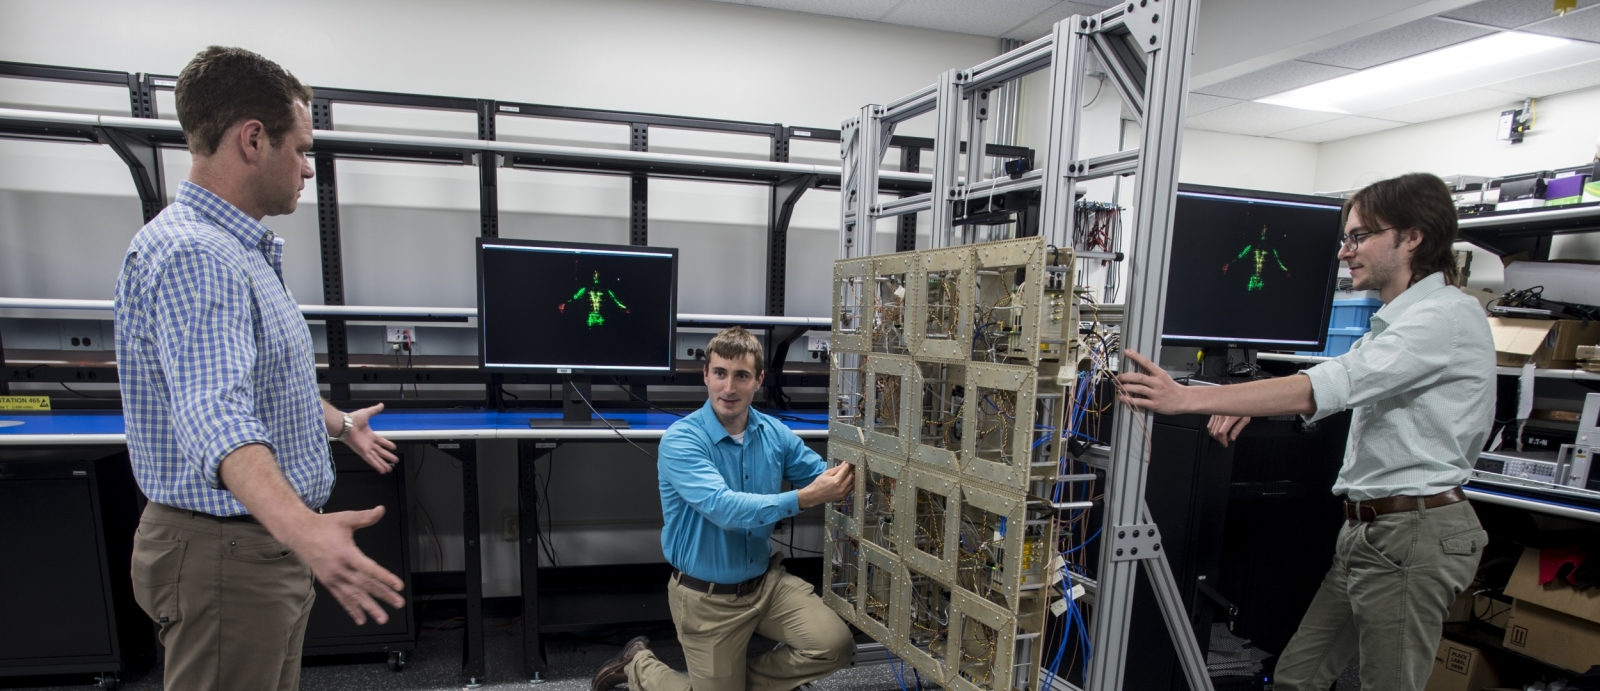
{"x":1421,"y":383}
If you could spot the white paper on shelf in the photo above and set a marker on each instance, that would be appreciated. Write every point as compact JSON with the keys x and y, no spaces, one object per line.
{"x":1525,"y":392}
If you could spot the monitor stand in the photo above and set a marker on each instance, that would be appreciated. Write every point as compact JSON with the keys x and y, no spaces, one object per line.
{"x":574,"y":414}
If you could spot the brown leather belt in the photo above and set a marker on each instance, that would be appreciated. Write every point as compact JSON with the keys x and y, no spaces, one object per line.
{"x":1373,"y":508}
{"x":735,"y":589}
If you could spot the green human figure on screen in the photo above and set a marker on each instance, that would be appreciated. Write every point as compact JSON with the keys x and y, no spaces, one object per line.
{"x":1257,"y":254}
{"x":596,"y":296}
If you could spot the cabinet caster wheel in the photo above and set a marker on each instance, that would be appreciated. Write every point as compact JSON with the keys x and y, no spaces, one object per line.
{"x":397,"y":660}
{"x":108,"y":681}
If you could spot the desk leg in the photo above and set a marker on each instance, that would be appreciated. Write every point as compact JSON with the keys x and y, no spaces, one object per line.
{"x":472,"y":655}
{"x":528,"y":453}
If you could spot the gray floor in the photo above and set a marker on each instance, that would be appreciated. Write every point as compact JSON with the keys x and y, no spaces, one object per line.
{"x":436,"y":664}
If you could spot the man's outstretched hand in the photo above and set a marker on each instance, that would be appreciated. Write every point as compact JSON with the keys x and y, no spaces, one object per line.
{"x":377,"y":451}
{"x":1152,"y":388}
{"x":324,"y":541}
{"x":832,"y":485}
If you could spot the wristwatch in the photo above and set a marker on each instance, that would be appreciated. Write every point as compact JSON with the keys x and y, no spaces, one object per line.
{"x":345,"y":431}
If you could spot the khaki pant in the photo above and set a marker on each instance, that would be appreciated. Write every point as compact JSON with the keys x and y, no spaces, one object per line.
{"x":715,"y":633}
{"x":232,"y":602}
{"x":1385,"y":600}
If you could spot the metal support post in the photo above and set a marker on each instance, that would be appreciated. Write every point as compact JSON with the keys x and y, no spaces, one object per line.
{"x":946,"y":149}
{"x":529,"y":451}
{"x":1061,"y":151}
{"x":639,"y":190}
{"x":1165,"y":30}
{"x":144,"y":162}
{"x":332,"y":250}
{"x":488,"y":174}
{"x":906,"y":239}
{"x":781,"y":209}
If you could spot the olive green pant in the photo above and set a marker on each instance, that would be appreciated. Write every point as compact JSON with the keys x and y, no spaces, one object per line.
{"x":232,"y":602}
{"x":1385,"y":600}
{"x":715,"y":630}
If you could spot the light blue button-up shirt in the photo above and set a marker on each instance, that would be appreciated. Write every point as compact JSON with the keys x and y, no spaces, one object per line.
{"x":1422,"y":387}
{"x":720,"y":499}
{"x":213,"y":354}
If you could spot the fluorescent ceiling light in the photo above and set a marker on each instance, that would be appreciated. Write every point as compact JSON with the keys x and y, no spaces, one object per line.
{"x":1480,"y":62}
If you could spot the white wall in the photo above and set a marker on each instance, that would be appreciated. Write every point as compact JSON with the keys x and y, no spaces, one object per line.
{"x":1564,"y":135}
{"x":67,"y":212}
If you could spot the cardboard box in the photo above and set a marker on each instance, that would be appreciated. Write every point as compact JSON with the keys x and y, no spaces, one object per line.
{"x":1550,"y":344}
{"x":1556,"y":623}
{"x":1461,"y":609}
{"x":1460,"y":667}
{"x":1544,"y":634}
{"x":1491,"y":611}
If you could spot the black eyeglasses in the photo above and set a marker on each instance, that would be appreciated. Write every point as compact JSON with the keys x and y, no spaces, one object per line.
{"x":1352,"y":241}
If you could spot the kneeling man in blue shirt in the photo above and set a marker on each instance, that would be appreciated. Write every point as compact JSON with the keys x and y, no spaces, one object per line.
{"x":722,"y":468}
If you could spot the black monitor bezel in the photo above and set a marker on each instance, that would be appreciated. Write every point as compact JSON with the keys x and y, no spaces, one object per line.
{"x":1333,"y":274}
{"x":672,"y":338}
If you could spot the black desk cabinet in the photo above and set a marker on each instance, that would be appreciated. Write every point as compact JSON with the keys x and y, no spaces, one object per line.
{"x":330,"y":630}
{"x":67,"y":517}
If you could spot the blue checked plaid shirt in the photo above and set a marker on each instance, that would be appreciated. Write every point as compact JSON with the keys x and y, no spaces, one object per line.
{"x":213,"y":354}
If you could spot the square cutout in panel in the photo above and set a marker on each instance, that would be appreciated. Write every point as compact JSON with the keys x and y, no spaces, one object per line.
{"x":980,"y":654}
{"x":879,"y":614}
{"x":985,"y":645}
{"x":890,"y":400}
{"x":852,"y":302}
{"x":928,"y":614}
{"x":843,"y":573}
{"x":1005,"y":302}
{"x":990,"y":550}
{"x":892,"y":283}
{"x":940,"y":413}
{"x":848,"y":392}
{"x":1000,"y":433}
{"x":943,"y":320}
{"x":932,"y":513}
{"x":880,"y":503}
{"x":845,"y":514}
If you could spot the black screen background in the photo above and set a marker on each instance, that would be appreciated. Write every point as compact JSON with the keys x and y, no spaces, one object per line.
{"x":523,"y":324}
{"x":1208,"y":233}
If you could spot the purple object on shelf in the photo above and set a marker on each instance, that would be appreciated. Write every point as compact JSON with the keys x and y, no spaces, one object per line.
{"x":1569,"y":186}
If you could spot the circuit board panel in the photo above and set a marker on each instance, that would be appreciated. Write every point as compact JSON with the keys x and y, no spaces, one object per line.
{"x":951,"y":372}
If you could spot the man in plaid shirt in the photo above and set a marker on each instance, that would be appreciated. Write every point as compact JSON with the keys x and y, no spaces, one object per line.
{"x":226,"y":429}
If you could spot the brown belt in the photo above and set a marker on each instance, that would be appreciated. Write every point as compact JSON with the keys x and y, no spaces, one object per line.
{"x":735,"y":589}
{"x":1373,"y":508}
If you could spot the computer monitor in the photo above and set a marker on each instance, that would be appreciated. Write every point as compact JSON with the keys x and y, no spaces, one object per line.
{"x":576,"y":309}
{"x":1252,"y":270}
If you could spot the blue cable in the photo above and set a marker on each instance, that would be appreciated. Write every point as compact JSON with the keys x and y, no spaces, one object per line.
{"x":898,"y":675}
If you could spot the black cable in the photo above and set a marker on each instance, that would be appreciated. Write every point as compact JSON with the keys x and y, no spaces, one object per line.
{"x":545,"y":543}
{"x":80,"y":393}
{"x":506,"y":392}
{"x":618,"y":432}
{"x":630,"y":392}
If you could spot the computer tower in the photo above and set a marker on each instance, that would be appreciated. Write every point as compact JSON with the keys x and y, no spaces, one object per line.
{"x":330,"y":630}
{"x":68,"y":516}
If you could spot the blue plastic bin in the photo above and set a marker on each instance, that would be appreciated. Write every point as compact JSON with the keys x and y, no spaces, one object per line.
{"x":1353,"y":312}
{"x":1340,"y":339}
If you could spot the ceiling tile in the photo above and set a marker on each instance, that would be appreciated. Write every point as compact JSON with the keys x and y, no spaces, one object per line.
{"x":869,"y":10}
{"x":1403,"y":41}
{"x":1446,"y":106}
{"x":1584,"y":26}
{"x":1039,"y":25}
{"x":1259,"y":119}
{"x":981,"y":17}
{"x":1334,"y":130}
{"x":1554,"y":82}
{"x":1201,"y":103}
{"x":1276,"y":79}
{"x":1508,"y":14}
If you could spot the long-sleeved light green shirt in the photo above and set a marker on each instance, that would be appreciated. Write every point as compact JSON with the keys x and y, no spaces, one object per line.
{"x":1422,"y":387}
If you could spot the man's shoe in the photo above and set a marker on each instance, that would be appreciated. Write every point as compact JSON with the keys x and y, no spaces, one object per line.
{"x":614,"y":672}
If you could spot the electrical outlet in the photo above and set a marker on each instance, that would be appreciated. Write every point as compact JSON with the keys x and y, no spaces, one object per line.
{"x":818,"y":342}
{"x":509,"y":526}
{"x":400,"y":334}
{"x":81,"y":336}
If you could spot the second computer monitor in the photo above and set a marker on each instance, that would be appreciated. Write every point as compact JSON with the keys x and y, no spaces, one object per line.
{"x":569,"y":308}
{"x":1251,"y":269}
